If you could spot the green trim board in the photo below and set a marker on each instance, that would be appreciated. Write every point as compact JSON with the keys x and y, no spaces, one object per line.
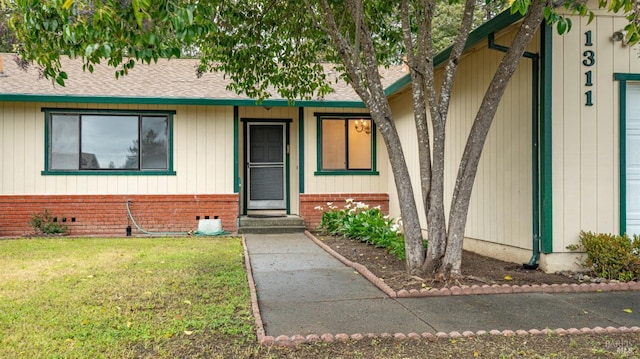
{"x":287,"y":166}
{"x":622,"y":103}
{"x":345,"y":115}
{"x":301,"y":150}
{"x":496,"y":24}
{"x":346,"y":173}
{"x":79,"y":172}
{"x":545,"y":143}
{"x":177,"y":101}
{"x":236,"y":149}
{"x":89,"y":111}
{"x":626,"y":77}
{"x":107,"y":173}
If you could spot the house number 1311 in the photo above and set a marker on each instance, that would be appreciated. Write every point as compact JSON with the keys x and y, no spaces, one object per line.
{"x":588,"y":60}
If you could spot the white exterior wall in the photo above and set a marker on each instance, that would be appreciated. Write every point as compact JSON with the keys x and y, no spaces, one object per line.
{"x":202,"y":154}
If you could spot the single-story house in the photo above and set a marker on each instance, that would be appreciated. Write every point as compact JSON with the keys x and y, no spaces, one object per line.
{"x":171,"y":148}
{"x":562,"y":156}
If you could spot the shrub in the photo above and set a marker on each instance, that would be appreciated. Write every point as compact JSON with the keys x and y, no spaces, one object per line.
{"x":611,"y":256}
{"x":357,"y":221}
{"x":43,"y":223}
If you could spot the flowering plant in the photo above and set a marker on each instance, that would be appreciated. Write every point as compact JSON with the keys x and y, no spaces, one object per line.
{"x":356,"y":220}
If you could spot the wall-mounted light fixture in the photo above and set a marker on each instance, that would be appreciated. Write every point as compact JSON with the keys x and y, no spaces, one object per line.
{"x":619,"y":36}
{"x":363,"y":125}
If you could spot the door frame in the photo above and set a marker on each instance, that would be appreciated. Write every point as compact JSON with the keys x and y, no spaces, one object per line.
{"x":623,"y":79}
{"x":287,"y":172}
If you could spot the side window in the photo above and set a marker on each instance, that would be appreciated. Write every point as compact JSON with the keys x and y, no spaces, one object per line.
{"x":346,"y":145}
{"x":116,"y":143}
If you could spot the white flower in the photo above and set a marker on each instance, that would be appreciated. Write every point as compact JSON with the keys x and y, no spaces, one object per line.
{"x":378,"y":207}
{"x":394,"y":228}
{"x":349,"y":200}
{"x":347,"y":205}
{"x":319,"y":208}
{"x":386,"y":217}
{"x":329,"y":204}
{"x":361,"y":205}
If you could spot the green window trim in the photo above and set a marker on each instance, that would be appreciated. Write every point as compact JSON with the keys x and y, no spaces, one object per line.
{"x":347,"y":116}
{"x":622,"y":125}
{"x":169,"y":171}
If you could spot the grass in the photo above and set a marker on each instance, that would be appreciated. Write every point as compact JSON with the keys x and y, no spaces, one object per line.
{"x":117,"y":297}
{"x":189,"y":298}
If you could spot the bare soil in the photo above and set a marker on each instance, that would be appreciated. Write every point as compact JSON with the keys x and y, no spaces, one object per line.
{"x":485,"y":346}
{"x":476,"y":269}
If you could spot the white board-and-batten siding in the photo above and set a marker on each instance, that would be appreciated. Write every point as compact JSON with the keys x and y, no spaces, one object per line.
{"x":586,"y":140}
{"x":202,"y":154}
{"x":500,"y":210}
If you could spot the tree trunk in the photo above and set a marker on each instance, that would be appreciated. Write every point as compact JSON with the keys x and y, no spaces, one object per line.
{"x":478,"y":134}
{"x":408,"y":209}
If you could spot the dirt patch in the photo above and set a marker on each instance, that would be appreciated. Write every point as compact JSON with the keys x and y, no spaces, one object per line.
{"x":476,"y":269}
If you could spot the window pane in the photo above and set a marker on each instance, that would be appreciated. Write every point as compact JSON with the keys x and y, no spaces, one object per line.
{"x":360,"y":144}
{"x":333,"y":144}
{"x":64,"y":142}
{"x":154,"y":143}
{"x":109,"y":142}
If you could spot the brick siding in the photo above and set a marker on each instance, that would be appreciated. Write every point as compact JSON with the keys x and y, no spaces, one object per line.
{"x":312,"y":216}
{"x":107,"y":214}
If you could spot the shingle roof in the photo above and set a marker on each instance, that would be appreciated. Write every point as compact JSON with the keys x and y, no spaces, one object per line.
{"x":175,"y":78}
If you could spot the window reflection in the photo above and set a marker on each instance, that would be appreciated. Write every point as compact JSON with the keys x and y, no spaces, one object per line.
{"x":64,"y":142}
{"x":345,"y":146}
{"x":109,"y":142}
{"x":154,"y":142}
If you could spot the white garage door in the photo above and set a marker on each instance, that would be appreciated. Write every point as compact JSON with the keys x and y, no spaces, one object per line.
{"x":633,"y":158}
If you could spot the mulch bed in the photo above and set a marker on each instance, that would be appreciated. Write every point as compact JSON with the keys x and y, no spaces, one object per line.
{"x":476,"y":269}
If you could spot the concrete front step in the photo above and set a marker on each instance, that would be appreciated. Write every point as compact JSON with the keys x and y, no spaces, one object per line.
{"x":271,"y":224}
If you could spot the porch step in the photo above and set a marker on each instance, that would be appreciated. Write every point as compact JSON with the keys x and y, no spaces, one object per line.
{"x":271,"y":224}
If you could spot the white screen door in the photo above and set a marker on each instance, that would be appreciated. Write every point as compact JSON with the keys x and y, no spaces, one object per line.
{"x":266,"y":166}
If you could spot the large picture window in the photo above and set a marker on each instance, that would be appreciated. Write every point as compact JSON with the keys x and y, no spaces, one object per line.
{"x":346,"y":144}
{"x":108,"y":142}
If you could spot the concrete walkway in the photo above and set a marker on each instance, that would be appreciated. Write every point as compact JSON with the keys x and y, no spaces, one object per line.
{"x":304,"y":293}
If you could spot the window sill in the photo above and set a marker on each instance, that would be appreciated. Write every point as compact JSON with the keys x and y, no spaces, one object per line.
{"x":346,"y":173}
{"x":108,"y":173}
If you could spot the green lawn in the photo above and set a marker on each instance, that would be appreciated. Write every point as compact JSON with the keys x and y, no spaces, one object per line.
{"x":122,"y":297}
{"x":189,"y":298}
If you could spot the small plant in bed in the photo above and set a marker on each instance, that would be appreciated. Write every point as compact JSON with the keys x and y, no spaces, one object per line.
{"x":44,"y":223}
{"x":359,"y":221}
{"x":610,"y":256}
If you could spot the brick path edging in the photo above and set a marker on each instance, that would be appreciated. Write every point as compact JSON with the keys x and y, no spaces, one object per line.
{"x":260,"y":333}
{"x":477,"y":289}
{"x":287,"y":341}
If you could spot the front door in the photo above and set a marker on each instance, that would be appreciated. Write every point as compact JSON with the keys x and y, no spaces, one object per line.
{"x":266,"y":165}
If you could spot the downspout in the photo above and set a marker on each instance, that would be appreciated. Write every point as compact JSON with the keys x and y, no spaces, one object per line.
{"x":535,"y":157}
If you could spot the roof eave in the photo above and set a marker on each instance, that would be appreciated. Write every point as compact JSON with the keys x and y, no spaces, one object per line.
{"x":177,"y":101}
